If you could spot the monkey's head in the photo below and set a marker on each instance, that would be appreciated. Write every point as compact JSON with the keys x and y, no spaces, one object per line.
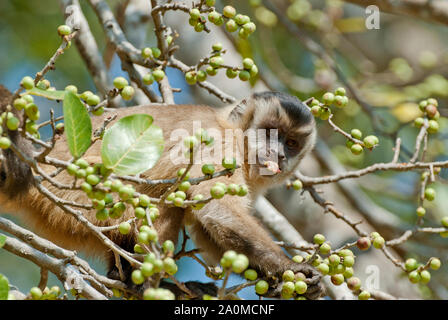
{"x":279,"y":129}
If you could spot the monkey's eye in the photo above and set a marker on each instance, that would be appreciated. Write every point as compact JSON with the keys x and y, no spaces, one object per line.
{"x":291,"y":143}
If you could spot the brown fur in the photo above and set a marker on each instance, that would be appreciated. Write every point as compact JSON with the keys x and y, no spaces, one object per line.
{"x":221,"y":225}
{"x":19,"y":177}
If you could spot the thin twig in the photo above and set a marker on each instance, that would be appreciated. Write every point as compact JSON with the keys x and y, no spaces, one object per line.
{"x":43,"y":279}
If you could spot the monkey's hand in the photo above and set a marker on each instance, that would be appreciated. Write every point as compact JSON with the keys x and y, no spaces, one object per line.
{"x":313,"y":278}
{"x":230,"y":226}
{"x":310,"y":276}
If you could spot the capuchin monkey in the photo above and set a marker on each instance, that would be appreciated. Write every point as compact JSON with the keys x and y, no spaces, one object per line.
{"x":221,"y":225}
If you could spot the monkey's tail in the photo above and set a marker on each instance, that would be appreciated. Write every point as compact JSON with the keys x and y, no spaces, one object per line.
{"x":15,"y":175}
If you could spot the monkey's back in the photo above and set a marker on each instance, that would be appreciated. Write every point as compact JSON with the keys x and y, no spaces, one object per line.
{"x":64,"y":229}
{"x":167,"y":117}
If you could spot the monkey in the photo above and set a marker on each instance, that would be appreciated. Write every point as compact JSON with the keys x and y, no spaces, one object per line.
{"x":220,"y":225}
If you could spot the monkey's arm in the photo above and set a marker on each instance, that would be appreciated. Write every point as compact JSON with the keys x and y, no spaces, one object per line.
{"x":237,"y":230}
{"x":228,"y":225}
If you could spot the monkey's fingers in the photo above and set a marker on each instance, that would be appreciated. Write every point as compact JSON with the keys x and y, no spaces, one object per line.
{"x":312,"y":275}
{"x":273,"y":292}
{"x":314,"y":279}
{"x":315,"y":291}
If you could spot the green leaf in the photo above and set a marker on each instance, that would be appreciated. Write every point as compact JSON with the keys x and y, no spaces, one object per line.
{"x":4,"y":287}
{"x":52,"y":95}
{"x":132,"y":145}
{"x":78,"y":126}
{"x":2,"y":240}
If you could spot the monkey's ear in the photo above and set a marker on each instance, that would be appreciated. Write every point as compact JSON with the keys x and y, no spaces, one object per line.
{"x":242,"y":114}
{"x":237,"y":113}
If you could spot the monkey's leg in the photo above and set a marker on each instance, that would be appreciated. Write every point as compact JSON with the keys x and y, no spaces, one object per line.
{"x":169,"y":224}
{"x":228,"y":225}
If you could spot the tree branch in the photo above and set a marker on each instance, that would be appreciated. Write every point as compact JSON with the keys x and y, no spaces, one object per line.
{"x":88,"y":49}
{"x":65,"y":273}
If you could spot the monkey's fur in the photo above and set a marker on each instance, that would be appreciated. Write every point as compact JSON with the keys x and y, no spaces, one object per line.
{"x":219,"y":226}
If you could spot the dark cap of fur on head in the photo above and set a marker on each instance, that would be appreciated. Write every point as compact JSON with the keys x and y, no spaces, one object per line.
{"x":295,"y":108}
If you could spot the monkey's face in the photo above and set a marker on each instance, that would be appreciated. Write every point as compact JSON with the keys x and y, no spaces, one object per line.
{"x":282,"y":131}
